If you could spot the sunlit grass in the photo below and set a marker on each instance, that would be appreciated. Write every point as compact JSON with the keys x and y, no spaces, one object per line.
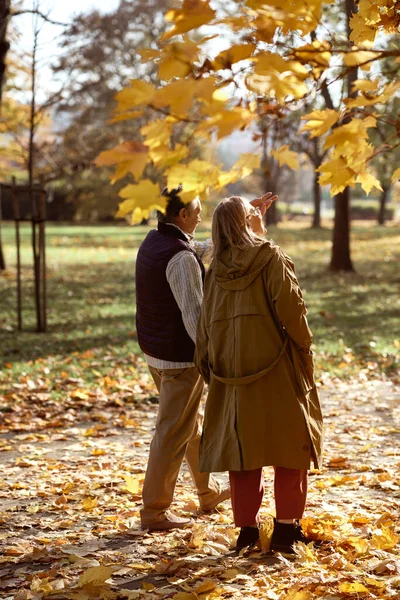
{"x":355,"y":317}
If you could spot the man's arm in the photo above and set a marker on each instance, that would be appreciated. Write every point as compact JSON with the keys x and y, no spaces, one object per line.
{"x":204,"y":250}
{"x":184,"y":277}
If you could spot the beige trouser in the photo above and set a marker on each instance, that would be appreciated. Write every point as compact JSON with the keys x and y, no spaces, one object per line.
{"x":177,"y":436}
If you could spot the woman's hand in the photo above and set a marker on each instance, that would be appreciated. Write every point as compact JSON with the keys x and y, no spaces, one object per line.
{"x":264,"y":202}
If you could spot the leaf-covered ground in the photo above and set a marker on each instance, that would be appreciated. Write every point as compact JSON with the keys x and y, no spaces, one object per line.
{"x":77,"y":411}
{"x":71,"y":474}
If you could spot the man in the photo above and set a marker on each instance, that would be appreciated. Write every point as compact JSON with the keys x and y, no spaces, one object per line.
{"x":169,"y":292}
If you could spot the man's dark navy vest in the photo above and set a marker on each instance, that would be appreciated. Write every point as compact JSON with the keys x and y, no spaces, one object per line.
{"x":160,"y":329}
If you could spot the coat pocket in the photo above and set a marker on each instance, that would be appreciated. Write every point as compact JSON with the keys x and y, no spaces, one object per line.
{"x":304,"y":368}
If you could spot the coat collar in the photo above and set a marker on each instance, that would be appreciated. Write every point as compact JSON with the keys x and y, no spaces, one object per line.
{"x":174,"y":231}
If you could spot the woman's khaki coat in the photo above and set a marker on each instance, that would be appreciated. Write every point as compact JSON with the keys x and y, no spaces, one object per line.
{"x":252,"y":348}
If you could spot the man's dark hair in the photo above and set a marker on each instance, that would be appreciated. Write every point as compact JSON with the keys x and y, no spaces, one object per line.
{"x":174,"y":204}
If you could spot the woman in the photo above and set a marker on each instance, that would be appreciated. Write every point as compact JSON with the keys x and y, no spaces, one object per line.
{"x":253,"y":348}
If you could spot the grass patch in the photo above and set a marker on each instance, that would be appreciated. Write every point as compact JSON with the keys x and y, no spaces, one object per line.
{"x":355,"y":318}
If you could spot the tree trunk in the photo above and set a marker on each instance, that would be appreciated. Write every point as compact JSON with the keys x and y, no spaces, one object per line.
{"x":4,"y":45}
{"x":382,"y":205}
{"x":272,"y":216}
{"x":31,"y":167}
{"x":340,"y":260}
{"x":2,"y":259}
{"x":316,"y":223}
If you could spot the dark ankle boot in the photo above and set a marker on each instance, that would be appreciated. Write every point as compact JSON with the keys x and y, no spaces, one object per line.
{"x":248,"y":537}
{"x":285,"y":535}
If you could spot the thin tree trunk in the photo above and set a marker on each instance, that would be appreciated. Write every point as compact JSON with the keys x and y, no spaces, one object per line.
{"x":340,"y":260}
{"x":382,"y":205}
{"x":2,"y":259}
{"x":271,"y":216}
{"x":31,"y":161}
{"x":316,"y":223}
{"x":4,"y":45}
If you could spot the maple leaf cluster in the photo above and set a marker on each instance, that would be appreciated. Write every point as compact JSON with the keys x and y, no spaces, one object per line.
{"x":201,"y":97}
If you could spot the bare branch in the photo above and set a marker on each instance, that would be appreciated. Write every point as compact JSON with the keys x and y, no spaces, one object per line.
{"x":40,"y":14}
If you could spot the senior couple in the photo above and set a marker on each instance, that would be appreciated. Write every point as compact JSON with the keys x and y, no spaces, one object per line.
{"x":242,"y":329}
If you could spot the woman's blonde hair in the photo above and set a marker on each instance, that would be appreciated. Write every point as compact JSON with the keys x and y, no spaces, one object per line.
{"x":231,"y":227}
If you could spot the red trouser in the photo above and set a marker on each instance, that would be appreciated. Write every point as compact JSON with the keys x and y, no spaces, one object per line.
{"x":247,"y":491}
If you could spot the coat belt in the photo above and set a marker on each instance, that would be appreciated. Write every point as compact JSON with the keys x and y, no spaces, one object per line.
{"x":251,"y":378}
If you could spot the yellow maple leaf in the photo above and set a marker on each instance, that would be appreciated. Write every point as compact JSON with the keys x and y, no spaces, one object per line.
{"x":320,"y":121}
{"x":396,"y":175}
{"x":350,"y":133}
{"x":119,"y":154}
{"x":193,"y":14}
{"x":375,"y":582}
{"x":247,"y":163}
{"x":89,"y":503}
{"x":368,"y":182}
{"x":361,"y":33}
{"x":196,"y":177}
{"x":296,"y":15}
{"x":268,"y":62}
{"x":353,"y":588}
{"x":179,"y":95}
{"x":285,"y":156}
{"x":337,"y":174}
{"x":157,"y":133}
{"x":365,"y":85}
{"x":317,"y":54}
{"x":131,"y":157}
{"x":95,"y":576}
{"x":264,"y":26}
{"x":226,"y":121}
{"x":278,"y":77}
{"x":177,"y":58}
{"x":360,"y":545}
{"x":380,"y":98}
{"x":139,"y":92}
{"x":79,"y":395}
{"x":132,"y":484}
{"x":278,"y":85}
{"x":354,"y":58}
{"x":227,"y":177}
{"x":164,"y":157}
{"x":232,"y":55}
{"x":140,"y":199}
{"x":386,"y":540}
{"x":205,"y":586}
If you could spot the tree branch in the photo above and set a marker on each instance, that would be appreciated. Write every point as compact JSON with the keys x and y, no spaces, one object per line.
{"x":40,"y":14}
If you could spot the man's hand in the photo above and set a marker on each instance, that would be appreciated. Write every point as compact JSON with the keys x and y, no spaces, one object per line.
{"x":264,"y":202}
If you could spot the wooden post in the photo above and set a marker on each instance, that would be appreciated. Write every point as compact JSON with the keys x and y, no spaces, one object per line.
{"x":42,"y":252}
{"x":17,"y":217}
{"x":36,"y":257}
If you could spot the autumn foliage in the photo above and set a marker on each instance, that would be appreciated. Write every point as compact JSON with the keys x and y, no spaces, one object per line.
{"x":278,"y":60}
